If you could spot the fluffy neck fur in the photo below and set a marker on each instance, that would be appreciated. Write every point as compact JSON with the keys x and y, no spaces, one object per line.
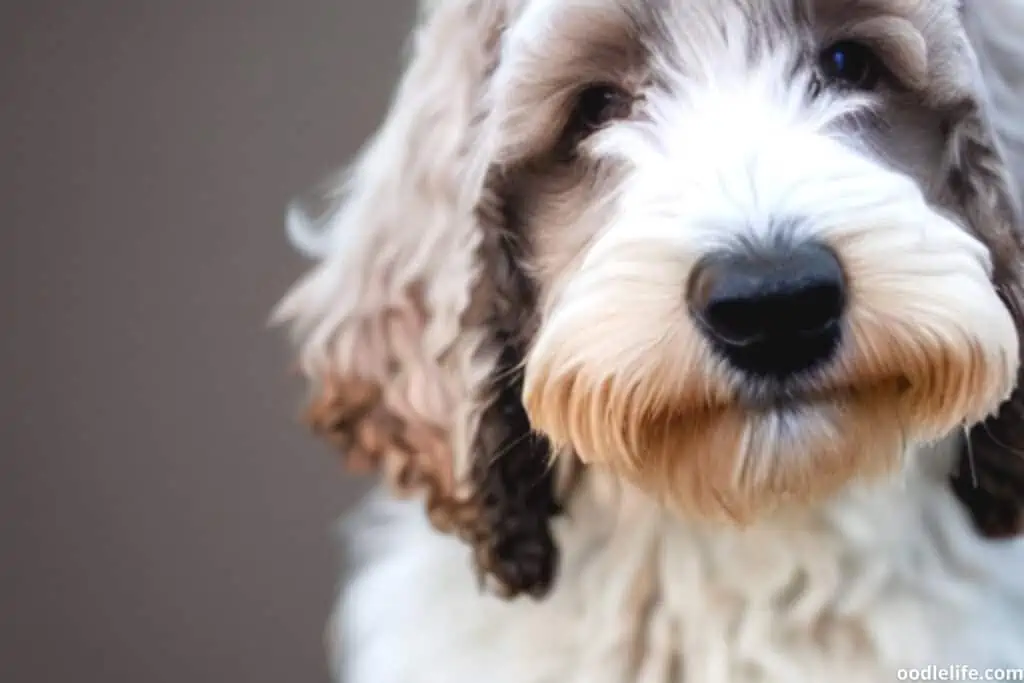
{"x":880,"y":578}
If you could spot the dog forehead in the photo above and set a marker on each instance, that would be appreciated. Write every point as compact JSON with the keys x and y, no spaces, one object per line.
{"x":588,"y":39}
{"x":540,"y":17}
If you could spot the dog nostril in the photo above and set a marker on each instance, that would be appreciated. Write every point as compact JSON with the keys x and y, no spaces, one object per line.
{"x":776,"y":313}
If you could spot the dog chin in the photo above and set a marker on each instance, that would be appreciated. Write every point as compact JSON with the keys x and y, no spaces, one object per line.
{"x":756,"y":456}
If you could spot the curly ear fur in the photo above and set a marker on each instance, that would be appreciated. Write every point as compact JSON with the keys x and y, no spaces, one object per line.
{"x":406,"y":328}
{"x":986,"y":149}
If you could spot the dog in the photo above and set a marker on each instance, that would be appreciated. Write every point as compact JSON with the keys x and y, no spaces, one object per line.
{"x":686,"y":340}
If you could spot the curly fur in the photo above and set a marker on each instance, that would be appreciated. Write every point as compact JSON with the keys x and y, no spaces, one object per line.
{"x":488,"y":327}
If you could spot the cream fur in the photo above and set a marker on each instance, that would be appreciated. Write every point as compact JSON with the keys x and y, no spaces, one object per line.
{"x":869,"y":578}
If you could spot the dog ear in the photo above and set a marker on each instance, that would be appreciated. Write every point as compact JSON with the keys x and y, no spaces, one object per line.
{"x":986,"y":138}
{"x":989,"y":478}
{"x":406,"y":328}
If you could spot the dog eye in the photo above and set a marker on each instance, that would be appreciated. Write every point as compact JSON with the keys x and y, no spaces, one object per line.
{"x":851,"y":64}
{"x":596,"y":106}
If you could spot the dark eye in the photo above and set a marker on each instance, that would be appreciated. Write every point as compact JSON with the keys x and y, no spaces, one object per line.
{"x":595,"y":106}
{"x":851,"y":64}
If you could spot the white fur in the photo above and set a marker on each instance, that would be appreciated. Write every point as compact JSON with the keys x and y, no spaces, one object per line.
{"x":882,"y":579}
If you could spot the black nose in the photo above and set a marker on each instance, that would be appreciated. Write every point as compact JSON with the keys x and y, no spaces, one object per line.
{"x":771,"y":314}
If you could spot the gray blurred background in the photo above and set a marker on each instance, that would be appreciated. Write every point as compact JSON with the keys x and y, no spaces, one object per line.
{"x":163,"y":516}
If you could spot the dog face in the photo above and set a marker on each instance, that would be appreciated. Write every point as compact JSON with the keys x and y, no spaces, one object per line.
{"x":737,"y":253}
{"x":755,"y":281}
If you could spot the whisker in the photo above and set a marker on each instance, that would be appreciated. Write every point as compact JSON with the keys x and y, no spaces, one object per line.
{"x":1005,"y":446}
{"x":508,"y":447}
{"x":970,"y":457}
